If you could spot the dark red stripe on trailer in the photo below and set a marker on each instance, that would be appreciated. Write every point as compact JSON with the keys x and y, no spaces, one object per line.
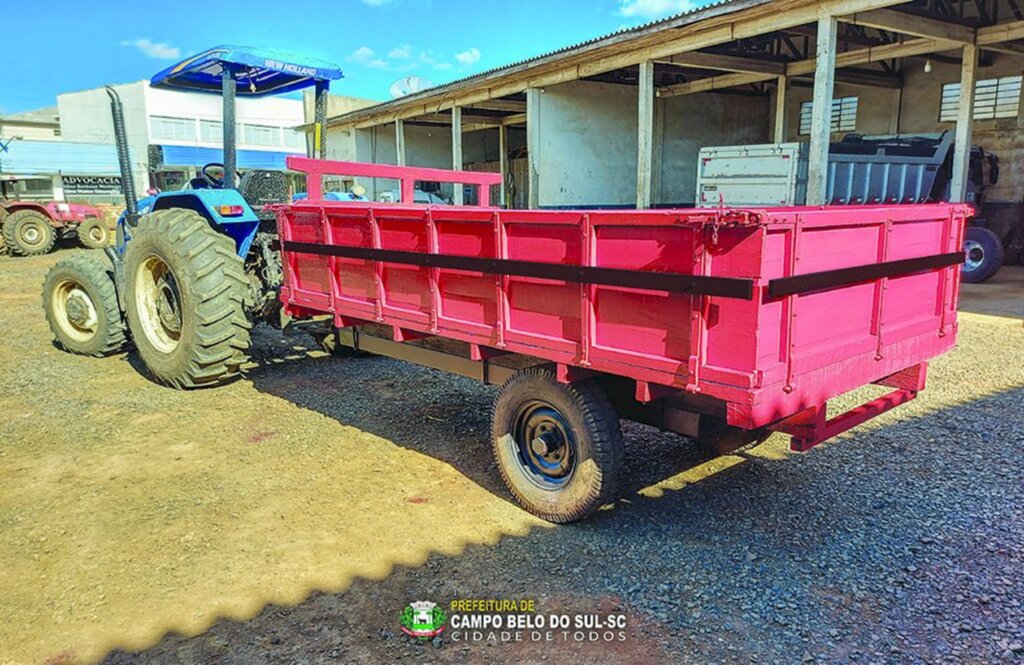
{"x":828,"y":279}
{"x":726,"y":287}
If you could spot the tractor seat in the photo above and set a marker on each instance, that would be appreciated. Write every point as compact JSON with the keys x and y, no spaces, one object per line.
{"x":260,"y":188}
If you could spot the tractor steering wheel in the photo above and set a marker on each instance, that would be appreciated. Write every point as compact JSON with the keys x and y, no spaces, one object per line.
{"x":207,"y":174}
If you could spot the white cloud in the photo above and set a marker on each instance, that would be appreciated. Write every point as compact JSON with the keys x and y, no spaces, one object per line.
{"x":469,"y":57}
{"x":376,"y":3}
{"x":428,"y":58}
{"x":651,"y":9}
{"x":160,"y":51}
{"x":364,"y":55}
{"x":400,"y":52}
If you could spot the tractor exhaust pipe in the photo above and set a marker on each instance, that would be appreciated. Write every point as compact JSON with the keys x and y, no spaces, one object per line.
{"x":131,"y":205}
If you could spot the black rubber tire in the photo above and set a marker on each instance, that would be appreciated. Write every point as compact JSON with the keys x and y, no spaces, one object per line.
{"x":17,"y":223}
{"x":594,"y":480}
{"x":94,"y":233}
{"x":213,"y":342}
{"x":991,"y":248}
{"x":96,"y":280}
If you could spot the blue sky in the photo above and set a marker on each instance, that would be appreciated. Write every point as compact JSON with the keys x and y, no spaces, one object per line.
{"x":68,"y":45}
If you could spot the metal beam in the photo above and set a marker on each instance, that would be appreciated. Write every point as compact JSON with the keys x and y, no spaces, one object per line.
{"x":533,"y":147}
{"x":799,"y":68}
{"x":964,"y":125}
{"x":781,"y":93}
{"x":821,"y":111}
{"x":400,"y":142}
{"x":457,"y":150}
{"x":910,"y":24}
{"x":645,"y":136}
{"x":725,"y":63}
{"x":503,"y":165}
{"x":509,"y":105}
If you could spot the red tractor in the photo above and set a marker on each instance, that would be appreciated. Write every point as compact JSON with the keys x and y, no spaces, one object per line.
{"x":31,"y":228}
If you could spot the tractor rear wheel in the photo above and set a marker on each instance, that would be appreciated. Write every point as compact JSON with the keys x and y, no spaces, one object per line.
{"x":80,"y":302}
{"x":28,"y":233}
{"x":185,"y":293}
{"x":94,"y":233}
{"x":558,"y":446}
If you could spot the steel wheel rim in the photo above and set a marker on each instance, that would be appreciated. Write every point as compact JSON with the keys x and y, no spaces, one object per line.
{"x":31,"y":233}
{"x":158,"y":302}
{"x":544,"y":444}
{"x":97,"y":234}
{"x":74,"y":311}
{"x":974,"y":255}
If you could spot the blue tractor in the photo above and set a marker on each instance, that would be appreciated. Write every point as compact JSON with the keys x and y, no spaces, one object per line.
{"x":192,"y":270}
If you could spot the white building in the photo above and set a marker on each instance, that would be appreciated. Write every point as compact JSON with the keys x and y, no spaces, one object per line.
{"x":172,"y":133}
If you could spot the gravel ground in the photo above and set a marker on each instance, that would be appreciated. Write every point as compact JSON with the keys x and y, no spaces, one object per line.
{"x":901,"y":542}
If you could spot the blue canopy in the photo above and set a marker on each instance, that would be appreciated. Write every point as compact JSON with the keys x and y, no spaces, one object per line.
{"x":258,"y":71}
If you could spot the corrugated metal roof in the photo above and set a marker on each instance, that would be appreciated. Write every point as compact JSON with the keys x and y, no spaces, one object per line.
{"x":683,"y":18}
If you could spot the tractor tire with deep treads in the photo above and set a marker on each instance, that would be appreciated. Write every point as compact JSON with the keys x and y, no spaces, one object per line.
{"x":28,"y":233}
{"x":80,"y":302}
{"x":94,"y":233}
{"x":558,"y":446}
{"x":185,"y":293}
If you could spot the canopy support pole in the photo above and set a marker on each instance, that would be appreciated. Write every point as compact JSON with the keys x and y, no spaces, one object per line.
{"x":228,"y":87}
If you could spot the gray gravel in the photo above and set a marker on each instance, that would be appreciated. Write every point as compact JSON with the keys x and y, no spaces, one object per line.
{"x":902,"y":543}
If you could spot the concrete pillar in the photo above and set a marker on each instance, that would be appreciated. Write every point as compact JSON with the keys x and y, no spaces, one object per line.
{"x":821,"y":112}
{"x":457,"y":149}
{"x":964,"y":125}
{"x":533,"y":146}
{"x":400,"y":142}
{"x":781,"y":93}
{"x":503,"y":164}
{"x":645,"y":136}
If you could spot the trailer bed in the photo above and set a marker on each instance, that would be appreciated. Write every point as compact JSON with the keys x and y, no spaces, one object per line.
{"x":765,"y":314}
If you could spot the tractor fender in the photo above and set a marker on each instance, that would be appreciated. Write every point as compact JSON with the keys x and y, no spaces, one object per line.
{"x":208,"y":203}
{"x":9,"y":207}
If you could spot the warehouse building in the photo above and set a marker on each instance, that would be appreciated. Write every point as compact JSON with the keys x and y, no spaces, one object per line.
{"x":618,"y":121}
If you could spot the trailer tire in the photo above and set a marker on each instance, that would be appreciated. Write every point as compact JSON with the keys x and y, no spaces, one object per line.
{"x":984,"y":255}
{"x":28,"y":233}
{"x":94,"y":233}
{"x":571,"y":466}
{"x":80,"y":302}
{"x":185,"y":300}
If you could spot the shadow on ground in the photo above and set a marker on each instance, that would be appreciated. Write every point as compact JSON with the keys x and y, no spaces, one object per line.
{"x":860,"y":549}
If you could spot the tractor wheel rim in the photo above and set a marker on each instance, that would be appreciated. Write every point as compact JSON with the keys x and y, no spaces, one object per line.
{"x":975,"y":255}
{"x":74,"y":311}
{"x":158,"y":302}
{"x":545,"y":446}
{"x":31,"y":234}
{"x":96,"y":234}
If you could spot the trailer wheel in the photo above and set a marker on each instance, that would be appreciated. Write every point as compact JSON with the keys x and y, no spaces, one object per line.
{"x":185,"y":294}
{"x":558,"y":446}
{"x":28,"y":233}
{"x":93,"y":233}
{"x":81,"y":307}
{"x":984,"y":255}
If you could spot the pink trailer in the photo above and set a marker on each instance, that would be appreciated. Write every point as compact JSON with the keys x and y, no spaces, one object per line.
{"x":691,"y":320}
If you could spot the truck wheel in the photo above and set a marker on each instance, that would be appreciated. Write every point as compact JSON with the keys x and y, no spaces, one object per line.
{"x":185,"y":293}
{"x":558,"y":446}
{"x":94,"y":233}
{"x":984,"y":255}
{"x":28,"y":233}
{"x":80,"y":302}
